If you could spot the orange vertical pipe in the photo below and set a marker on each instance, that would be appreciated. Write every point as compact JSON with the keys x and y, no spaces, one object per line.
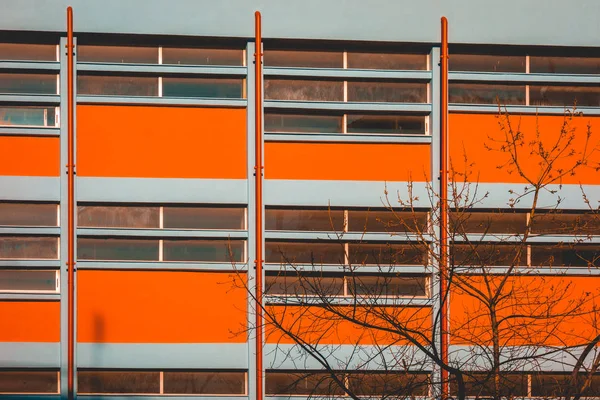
{"x":70,"y":209}
{"x":258,"y":176}
{"x":444,"y":208}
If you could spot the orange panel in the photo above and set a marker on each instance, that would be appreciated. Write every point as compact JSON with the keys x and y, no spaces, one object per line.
{"x":555,"y":310}
{"x":161,"y":142}
{"x":28,"y":321}
{"x":160,"y":307}
{"x":336,"y":161}
{"x":29,"y":156}
{"x":471,"y":133}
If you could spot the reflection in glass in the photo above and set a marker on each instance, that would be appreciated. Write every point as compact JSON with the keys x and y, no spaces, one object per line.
{"x":27,"y":280}
{"x":117,"y":85}
{"x":117,"y":249}
{"x":476,"y":93}
{"x":28,"y":214}
{"x":312,"y":123}
{"x":387,"y":61}
{"x":203,"y":218}
{"x":303,"y":90}
{"x":30,"y":247}
{"x":118,"y":381}
{"x":386,"y":124}
{"x":118,"y":216}
{"x":564,"y":65}
{"x":486,"y":63}
{"x":28,"y":381}
{"x":304,"y":253}
{"x":203,"y":87}
{"x":303,"y":59}
{"x":304,"y":220}
{"x":204,"y":382}
{"x":117,"y":54}
{"x":196,"y":56}
{"x":28,"y":52}
{"x":28,"y":83}
{"x":387,"y":92}
{"x":204,"y":250}
{"x":27,"y":116}
{"x":564,"y":96}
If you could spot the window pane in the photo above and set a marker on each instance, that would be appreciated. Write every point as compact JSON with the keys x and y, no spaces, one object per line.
{"x":117,"y":54}
{"x":36,"y":247}
{"x":388,"y":92}
{"x":304,"y":253}
{"x":304,"y":220}
{"x":386,"y":124}
{"x":385,"y":254}
{"x":387,"y":61}
{"x":386,"y":221}
{"x":554,"y":385}
{"x":118,"y":381}
{"x":204,"y":250}
{"x":117,"y":85}
{"x":27,"y":52}
{"x":203,"y":218}
{"x":117,"y":249}
{"x":28,"y":214}
{"x":118,"y":217}
{"x":303,"y":90}
{"x":488,"y":222}
{"x":28,"y":381}
{"x":381,"y":384}
{"x":28,"y":83}
{"x":306,"y":285}
{"x":483,"y":385}
{"x":564,"y":65}
{"x":566,"y":224}
{"x":192,"y":56}
{"x":301,"y":383}
{"x":485,"y":255}
{"x":564,"y":96}
{"x":475,"y":93}
{"x":303,"y":59}
{"x":205,"y":382}
{"x":565,"y":255}
{"x":22,"y":280}
{"x":203,"y":87}
{"x":27,"y":116}
{"x":386,"y":285}
{"x":303,"y":123}
{"x":486,"y":63}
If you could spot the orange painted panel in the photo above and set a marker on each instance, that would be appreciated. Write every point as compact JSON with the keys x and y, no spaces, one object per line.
{"x":552,"y":310}
{"x":347,"y":161}
{"x":471,"y":133}
{"x":160,"y":307}
{"x":161,"y":142}
{"x":318,"y":326}
{"x":29,"y":156}
{"x":29,"y":321}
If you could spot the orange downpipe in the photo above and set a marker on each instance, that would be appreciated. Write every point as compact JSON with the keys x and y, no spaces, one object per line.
{"x":70,"y":210}
{"x":258,"y":176}
{"x":444,"y":339}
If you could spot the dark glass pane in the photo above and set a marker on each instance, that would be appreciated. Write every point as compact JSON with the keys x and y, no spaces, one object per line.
{"x":303,"y":123}
{"x":384,"y":254}
{"x":565,"y":255}
{"x":28,"y":381}
{"x":386,"y":221}
{"x":19,"y":280}
{"x":488,"y":222}
{"x":191,"y":56}
{"x":302,"y":383}
{"x":117,"y":54}
{"x":483,"y":385}
{"x":304,"y":253}
{"x":387,"y":92}
{"x":205,"y":382}
{"x":304,"y":220}
{"x":564,"y":96}
{"x":35,"y":247}
{"x":306,"y":285}
{"x":386,"y":124}
{"x":486,"y":255}
{"x":203,"y":218}
{"x":384,"y":384}
{"x":475,"y":93}
{"x":303,"y":90}
{"x":554,"y":385}
{"x":386,"y":285}
{"x":27,"y":116}
{"x":564,"y":65}
{"x":303,"y":59}
{"x":387,"y":61}
{"x":117,"y":249}
{"x":486,"y":63}
{"x":28,"y":83}
{"x":27,"y":52}
{"x":118,"y":216}
{"x":28,"y":214}
{"x":118,"y":381}
{"x":204,"y":250}
{"x":566,"y":223}
{"x":117,"y":85}
{"x":203,"y":87}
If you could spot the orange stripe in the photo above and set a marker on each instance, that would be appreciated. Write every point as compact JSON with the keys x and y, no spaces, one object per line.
{"x":29,"y":156}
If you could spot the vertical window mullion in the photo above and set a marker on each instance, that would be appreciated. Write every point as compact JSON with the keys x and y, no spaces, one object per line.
{"x":527,"y":71}
{"x":162,"y":385}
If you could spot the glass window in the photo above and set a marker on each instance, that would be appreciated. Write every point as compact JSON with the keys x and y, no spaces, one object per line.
{"x":28,"y":83}
{"x":304,"y":253}
{"x":387,"y":285}
{"x":565,"y":255}
{"x":304,"y":220}
{"x":203,"y":87}
{"x":27,"y":280}
{"x":486,"y":255}
{"x":112,"y":85}
{"x":482,"y":93}
{"x":488,"y":222}
{"x":299,"y":383}
{"x":28,"y":52}
{"x":27,"y":116}
{"x":117,"y":249}
{"x":384,"y":254}
{"x":117,"y":54}
{"x":305,"y":285}
{"x":486,"y":63}
{"x":382,"y":383}
{"x":28,"y":381}
{"x":204,"y":218}
{"x":204,"y":250}
{"x":30,"y":247}
{"x":550,"y":385}
{"x":28,"y":214}
{"x":566,"y":223}
{"x":564,"y":65}
{"x":386,"y":221}
{"x":564,"y":96}
{"x":195,"y":56}
{"x":313,"y":123}
{"x":387,"y":92}
{"x":479,"y":384}
{"x":386,"y":124}
{"x":204,"y":382}
{"x":303,"y":90}
{"x":303,"y":59}
{"x":118,"y":217}
{"x":388,"y":61}
{"x":89,"y":381}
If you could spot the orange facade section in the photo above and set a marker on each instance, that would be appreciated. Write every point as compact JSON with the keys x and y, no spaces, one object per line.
{"x":348,"y":161}
{"x":29,"y":156}
{"x":160,"y":307}
{"x":476,"y":141}
{"x":161,"y":142}
{"x":28,"y":321}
